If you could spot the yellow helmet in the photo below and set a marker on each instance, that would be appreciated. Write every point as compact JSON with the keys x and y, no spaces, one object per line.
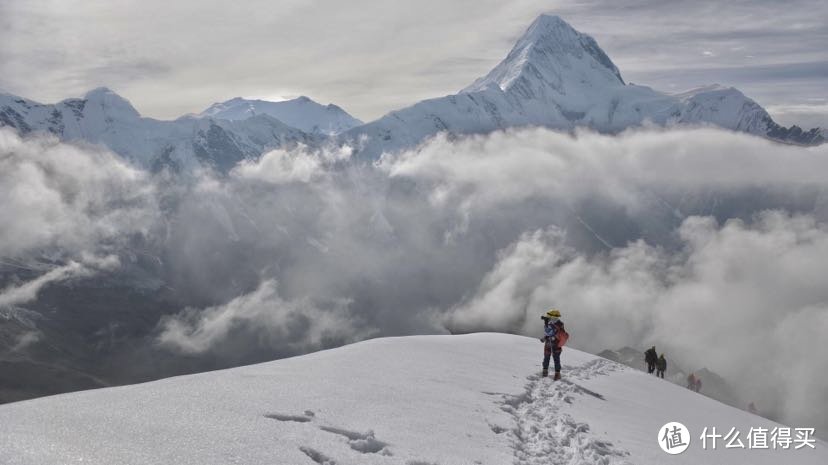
{"x":553,"y":314}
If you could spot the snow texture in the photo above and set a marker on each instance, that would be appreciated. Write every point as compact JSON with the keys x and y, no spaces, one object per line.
{"x":473,"y":399}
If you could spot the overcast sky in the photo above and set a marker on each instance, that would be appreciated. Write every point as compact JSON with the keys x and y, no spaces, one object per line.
{"x":373,"y":56}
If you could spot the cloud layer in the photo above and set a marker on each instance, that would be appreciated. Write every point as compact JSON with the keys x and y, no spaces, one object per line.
{"x":484,"y":233}
{"x":260,"y":318}
{"x":746,"y":301}
{"x":67,"y":198}
{"x":708,"y":243}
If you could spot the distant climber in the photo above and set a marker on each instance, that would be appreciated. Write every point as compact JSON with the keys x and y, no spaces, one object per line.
{"x":691,"y":382}
{"x":752,"y":408}
{"x":651,"y":357}
{"x":661,"y":366}
{"x":554,"y":338}
{"x":698,"y":385}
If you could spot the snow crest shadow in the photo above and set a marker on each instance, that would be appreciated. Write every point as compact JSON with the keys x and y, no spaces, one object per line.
{"x":294,"y":418}
{"x":317,"y":456}
{"x":365,"y":443}
{"x":360,"y":442}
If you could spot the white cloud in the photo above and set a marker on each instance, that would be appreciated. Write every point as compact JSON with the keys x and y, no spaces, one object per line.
{"x":285,"y":166}
{"x":22,"y":293}
{"x":26,"y":339}
{"x":478,"y":233}
{"x":747,"y":301}
{"x":26,"y":292}
{"x":805,"y":115}
{"x":504,"y":301}
{"x":260,"y":318}
{"x":60,"y":196}
{"x":517,"y":165}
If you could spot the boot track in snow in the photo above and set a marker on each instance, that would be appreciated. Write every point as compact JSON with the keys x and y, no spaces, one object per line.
{"x":544,"y":434}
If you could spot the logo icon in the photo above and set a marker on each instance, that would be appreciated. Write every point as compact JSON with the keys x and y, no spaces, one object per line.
{"x":674,"y":438}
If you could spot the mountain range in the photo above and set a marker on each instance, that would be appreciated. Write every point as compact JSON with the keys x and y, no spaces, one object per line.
{"x":301,"y":113}
{"x":554,"y":77}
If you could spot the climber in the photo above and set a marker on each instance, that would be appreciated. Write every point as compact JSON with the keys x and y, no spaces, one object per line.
{"x":554,"y":338}
{"x":650,"y":357}
{"x":661,"y":366}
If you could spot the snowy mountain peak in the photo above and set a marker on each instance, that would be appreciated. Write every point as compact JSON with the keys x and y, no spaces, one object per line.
{"x":548,"y":27}
{"x":301,"y":113}
{"x":556,"y":77}
{"x":98,"y":91}
{"x":110,"y":103}
{"x":551,"y":58}
{"x":707,"y":89}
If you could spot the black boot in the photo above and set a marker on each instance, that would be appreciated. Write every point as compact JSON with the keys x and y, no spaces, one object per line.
{"x":557,"y":375}
{"x":545,"y":372}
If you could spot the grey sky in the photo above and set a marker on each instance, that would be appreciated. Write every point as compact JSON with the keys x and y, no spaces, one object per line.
{"x":373,"y":56}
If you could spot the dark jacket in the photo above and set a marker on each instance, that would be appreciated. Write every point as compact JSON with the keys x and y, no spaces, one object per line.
{"x":661,"y":364}
{"x":650,"y":356}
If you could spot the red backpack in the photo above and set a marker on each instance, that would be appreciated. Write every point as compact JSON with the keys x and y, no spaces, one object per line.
{"x":561,"y":334}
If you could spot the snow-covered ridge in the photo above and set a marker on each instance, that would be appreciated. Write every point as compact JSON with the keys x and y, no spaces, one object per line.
{"x":301,"y":113}
{"x":414,"y":400}
{"x":103,"y":117}
{"x":554,"y":77}
{"x":559,"y":78}
{"x":552,"y":51}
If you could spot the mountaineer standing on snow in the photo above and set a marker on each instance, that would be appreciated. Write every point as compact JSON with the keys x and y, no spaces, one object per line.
{"x":554,"y":337}
{"x":650,"y":357}
{"x":661,"y":366}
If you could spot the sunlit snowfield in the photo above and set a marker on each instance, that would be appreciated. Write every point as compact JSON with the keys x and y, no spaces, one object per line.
{"x":416,"y":400}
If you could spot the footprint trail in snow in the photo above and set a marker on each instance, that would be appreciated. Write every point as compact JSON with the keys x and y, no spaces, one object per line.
{"x":545,"y":434}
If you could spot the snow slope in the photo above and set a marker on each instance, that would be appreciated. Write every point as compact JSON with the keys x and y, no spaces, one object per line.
{"x":473,"y":399}
{"x":302,"y":113}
